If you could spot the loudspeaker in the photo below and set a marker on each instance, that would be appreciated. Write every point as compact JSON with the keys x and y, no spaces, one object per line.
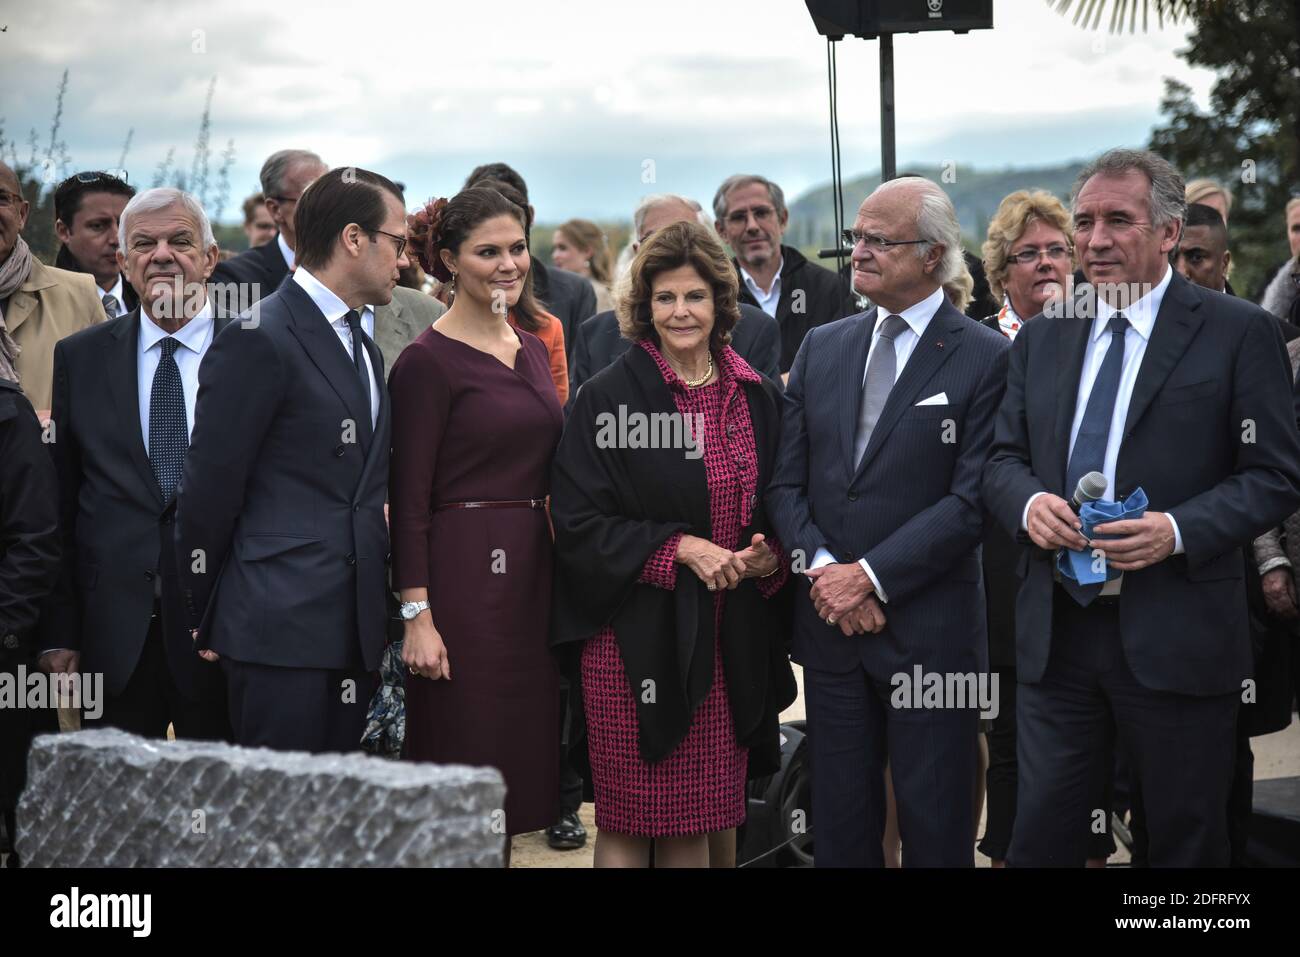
{"x":870,"y":18}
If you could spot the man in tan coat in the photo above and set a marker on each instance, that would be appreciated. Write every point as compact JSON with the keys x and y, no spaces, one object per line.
{"x":39,"y":305}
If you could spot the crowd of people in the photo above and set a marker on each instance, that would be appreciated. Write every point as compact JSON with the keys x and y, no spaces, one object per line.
{"x":579,"y":519}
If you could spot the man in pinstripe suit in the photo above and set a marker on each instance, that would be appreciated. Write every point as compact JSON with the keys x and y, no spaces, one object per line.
{"x":888,"y":419}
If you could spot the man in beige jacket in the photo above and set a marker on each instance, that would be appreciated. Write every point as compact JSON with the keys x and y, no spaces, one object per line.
{"x":39,"y":305}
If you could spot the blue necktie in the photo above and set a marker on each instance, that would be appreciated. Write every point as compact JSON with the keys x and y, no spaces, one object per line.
{"x":169,"y":438}
{"x":1089,"y":453}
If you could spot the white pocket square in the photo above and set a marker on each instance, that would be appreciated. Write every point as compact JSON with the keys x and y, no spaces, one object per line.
{"x":939,"y":399}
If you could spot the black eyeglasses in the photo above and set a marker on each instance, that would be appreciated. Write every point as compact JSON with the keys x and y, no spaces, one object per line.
{"x":852,"y":238}
{"x":400,"y":240}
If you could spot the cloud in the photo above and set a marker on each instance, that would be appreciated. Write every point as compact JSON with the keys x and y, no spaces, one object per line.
{"x":581,"y":92}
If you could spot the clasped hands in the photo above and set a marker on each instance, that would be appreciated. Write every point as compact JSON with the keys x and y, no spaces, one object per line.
{"x":720,"y":567}
{"x":842,"y":595}
{"x":1052,"y":524}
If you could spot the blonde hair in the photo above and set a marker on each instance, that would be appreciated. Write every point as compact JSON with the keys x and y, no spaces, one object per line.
{"x":1199,"y":190}
{"x":1291,"y":204}
{"x":1009,"y":223}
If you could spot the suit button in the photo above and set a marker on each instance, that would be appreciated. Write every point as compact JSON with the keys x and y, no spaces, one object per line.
{"x":11,"y":642}
{"x":853,"y":496}
{"x":356,"y":508}
{"x":351,"y":559}
{"x":148,"y":576}
{"x":338,"y":451}
{"x":167,"y":519}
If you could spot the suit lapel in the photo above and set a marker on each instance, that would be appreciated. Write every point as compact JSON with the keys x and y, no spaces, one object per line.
{"x":853,"y":362}
{"x":330,"y":357}
{"x":942,"y":338}
{"x":123,"y":383}
{"x":1071,"y":342}
{"x":1175,"y":326}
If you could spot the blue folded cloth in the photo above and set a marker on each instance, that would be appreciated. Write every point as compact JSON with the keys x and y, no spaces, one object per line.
{"x":1081,"y":566}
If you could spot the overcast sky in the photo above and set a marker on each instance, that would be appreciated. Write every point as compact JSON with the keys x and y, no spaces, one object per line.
{"x":578,"y":94}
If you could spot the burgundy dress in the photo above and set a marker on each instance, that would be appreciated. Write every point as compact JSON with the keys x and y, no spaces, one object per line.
{"x":468,"y":429}
{"x":700,"y":787}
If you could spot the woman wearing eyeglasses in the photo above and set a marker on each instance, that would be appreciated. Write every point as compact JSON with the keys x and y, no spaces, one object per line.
{"x":476,"y":420}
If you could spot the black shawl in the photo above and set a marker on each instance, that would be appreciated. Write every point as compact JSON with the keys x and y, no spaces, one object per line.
{"x":612,"y":508}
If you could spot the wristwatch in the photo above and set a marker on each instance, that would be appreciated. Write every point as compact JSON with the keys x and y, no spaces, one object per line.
{"x":410,"y":609}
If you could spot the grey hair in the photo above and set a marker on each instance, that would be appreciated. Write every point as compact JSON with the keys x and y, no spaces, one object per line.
{"x":936,"y":223}
{"x":277,"y":167}
{"x":774,"y":193}
{"x":1167,"y":198}
{"x":160,"y":197}
{"x":650,"y":202}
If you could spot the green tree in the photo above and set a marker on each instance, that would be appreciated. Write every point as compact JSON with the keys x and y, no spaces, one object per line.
{"x":1249,"y":138}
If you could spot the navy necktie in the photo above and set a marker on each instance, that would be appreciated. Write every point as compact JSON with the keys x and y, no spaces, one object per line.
{"x":1089,"y":453}
{"x":358,"y":346}
{"x":168,"y":436}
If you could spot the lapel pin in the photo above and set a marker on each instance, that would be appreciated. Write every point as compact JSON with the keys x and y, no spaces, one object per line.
{"x":939,"y":343}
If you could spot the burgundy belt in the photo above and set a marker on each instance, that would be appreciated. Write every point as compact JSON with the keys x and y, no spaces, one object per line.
{"x":517,"y":503}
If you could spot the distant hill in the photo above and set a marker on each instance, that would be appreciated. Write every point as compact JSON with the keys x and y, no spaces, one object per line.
{"x":975,"y":193}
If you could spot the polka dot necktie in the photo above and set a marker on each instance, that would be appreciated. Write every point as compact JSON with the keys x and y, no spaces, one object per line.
{"x":168,"y":436}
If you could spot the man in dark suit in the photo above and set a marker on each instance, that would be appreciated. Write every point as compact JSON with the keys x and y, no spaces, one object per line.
{"x":565,"y":295}
{"x":124,"y":394}
{"x":888,"y":419}
{"x":257,"y":272}
{"x":800,"y":295}
{"x":87,"y":210}
{"x":280,"y":530}
{"x":598,"y":342}
{"x":1184,"y":393}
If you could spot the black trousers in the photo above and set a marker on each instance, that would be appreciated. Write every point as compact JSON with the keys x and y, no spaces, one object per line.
{"x":151,"y":700}
{"x":1181,"y":749}
{"x":1002,"y":779}
{"x":570,"y":780}
{"x":298,"y":709}
{"x":851,"y":729}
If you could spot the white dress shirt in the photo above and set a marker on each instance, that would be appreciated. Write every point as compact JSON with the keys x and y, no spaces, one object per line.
{"x":1141,"y":317}
{"x":917,"y":317}
{"x":767,"y":301}
{"x":285,"y":251}
{"x":194,"y":338}
{"x":117,"y":292}
{"x":335,"y":309}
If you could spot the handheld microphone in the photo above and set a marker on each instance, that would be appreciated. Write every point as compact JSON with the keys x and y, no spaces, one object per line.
{"x":1090,"y":488}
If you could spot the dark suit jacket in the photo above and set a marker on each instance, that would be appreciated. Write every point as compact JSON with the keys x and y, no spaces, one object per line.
{"x":283,"y":495}
{"x":257,"y":272}
{"x":64,"y":259}
{"x":598,"y":343}
{"x":1215,"y":370}
{"x":911,"y":508}
{"x":819,"y":293}
{"x":565,"y":295}
{"x":29,"y":526}
{"x":116,"y":528}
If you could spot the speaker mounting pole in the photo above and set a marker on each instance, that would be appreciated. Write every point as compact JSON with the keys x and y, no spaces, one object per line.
{"x":887,"y":154}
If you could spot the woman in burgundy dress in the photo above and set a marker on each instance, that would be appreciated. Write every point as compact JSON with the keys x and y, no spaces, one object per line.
{"x":668,"y":590}
{"x":475,"y":423}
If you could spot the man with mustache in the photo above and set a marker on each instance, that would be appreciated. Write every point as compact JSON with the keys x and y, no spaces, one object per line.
{"x":124,"y":395}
